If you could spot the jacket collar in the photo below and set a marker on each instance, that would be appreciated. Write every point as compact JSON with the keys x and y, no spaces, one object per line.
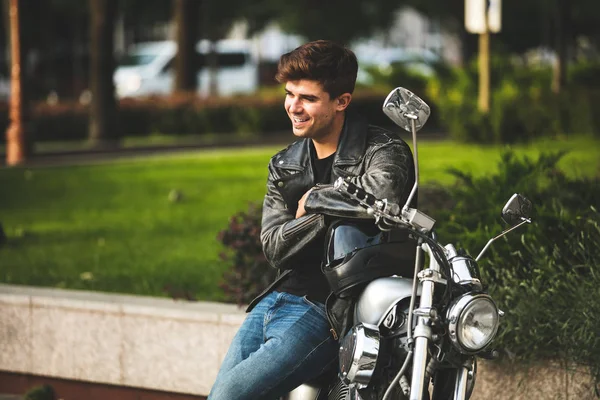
{"x":350,"y":151}
{"x":353,"y":140}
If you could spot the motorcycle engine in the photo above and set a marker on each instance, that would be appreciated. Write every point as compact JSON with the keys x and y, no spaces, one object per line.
{"x":372,"y":355}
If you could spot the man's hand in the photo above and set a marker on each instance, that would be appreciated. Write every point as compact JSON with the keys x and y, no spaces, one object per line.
{"x":301,"y":211}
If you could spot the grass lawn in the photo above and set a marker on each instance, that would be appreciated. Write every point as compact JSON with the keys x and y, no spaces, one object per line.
{"x":112,"y":227}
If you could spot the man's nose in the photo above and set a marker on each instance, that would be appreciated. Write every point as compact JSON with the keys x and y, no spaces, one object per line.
{"x":295,"y":106}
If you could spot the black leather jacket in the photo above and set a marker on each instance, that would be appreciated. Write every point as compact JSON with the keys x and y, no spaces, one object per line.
{"x":379,"y":161}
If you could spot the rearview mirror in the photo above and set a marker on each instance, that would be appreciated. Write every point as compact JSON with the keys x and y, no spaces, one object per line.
{"x":402,"y":106}
{"x":517,"y":209}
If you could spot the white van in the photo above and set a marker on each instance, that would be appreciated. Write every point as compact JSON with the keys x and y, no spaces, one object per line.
{"x":147,"y":69}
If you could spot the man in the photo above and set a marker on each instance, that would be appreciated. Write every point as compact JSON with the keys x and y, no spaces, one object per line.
{"x":289,"y":336}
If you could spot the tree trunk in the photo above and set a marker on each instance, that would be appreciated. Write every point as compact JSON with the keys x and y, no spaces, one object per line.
{"x":103,"y":126}
{"x":186,"y":21}
{"x":562,"y":18}
{"x":18,"y":147}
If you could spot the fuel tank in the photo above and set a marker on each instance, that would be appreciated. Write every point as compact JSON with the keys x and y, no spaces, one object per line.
{"x":380,"y":296}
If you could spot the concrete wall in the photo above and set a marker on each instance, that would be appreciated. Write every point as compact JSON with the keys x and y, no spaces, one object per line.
{"x":134,"y":341}
{"x":175,"y":346}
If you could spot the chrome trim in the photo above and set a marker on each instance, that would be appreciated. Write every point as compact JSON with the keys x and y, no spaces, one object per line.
{"x":453,"y":317}
{"x":303,"y":392}
{"x":430,"y":275}
{"x":465,"y":269}
{"x":358,"y":355}
{"x":465,"y":272}
{"x":460,"y":387}
{"x":422,"y":333}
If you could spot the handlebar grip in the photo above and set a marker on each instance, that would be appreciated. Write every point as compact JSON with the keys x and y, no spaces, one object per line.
{"x":360,"y":193}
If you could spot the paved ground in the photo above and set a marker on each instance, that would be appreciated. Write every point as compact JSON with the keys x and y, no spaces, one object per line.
{"x":94,"y":156}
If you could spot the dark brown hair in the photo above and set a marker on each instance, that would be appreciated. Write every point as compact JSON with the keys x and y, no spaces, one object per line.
{"x":332,"y":65}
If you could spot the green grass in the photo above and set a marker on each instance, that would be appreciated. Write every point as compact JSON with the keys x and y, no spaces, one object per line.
{"x":111,"y":226}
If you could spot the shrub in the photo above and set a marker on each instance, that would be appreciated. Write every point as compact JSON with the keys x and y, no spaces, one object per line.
{"x":176,"y":115}
{"x":398,"y":74}
{"x":455,"y":98}
{"x":549,"y":293}
{"x":546,"y":278}
{"x":44,"y":392}
{"x":249,"y":272}
{"x":523,"y":106}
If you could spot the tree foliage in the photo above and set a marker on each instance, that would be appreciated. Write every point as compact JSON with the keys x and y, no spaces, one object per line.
{"x":338,"y":20}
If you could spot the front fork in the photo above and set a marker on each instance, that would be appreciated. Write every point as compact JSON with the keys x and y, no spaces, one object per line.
{"x":422,"y":333}
{"x":460,"y":387}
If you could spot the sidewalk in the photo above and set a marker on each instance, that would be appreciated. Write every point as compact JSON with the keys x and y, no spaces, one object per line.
{"x":93,"y":156}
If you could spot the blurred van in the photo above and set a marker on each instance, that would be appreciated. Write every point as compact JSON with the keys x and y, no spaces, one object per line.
{"x":148,"y":69}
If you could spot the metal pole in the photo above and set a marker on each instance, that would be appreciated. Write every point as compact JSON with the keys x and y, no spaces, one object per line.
{"x":484,"y":71}
{"x":15,"y":134}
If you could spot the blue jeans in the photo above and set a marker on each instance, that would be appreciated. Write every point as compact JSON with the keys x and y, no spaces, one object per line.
{"x":283,"y":342}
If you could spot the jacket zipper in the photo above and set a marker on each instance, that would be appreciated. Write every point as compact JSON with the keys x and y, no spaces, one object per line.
{"x":287,"y":233}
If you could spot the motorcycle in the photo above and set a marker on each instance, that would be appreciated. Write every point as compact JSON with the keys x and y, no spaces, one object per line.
{"x":396,"y":349}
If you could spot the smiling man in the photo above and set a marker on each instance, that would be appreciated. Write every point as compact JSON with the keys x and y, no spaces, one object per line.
{"x":290,"y":336}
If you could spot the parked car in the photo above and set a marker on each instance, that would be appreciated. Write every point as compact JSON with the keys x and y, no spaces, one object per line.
{"x":147,"y":69}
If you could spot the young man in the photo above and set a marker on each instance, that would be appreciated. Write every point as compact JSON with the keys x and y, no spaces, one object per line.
{"x":289,"y":336}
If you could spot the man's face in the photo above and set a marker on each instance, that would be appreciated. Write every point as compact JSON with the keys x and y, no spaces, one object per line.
{"x":310,"y":109}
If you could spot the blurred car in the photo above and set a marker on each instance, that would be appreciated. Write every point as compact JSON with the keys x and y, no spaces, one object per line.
{"x":147,"y":69}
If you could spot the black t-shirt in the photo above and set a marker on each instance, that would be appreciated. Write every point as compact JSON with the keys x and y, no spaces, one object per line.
{"x":308,"y":279}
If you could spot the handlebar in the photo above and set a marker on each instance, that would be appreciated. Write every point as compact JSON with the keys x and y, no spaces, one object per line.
{"x":389,"y":215}
{"x":385,"y":212}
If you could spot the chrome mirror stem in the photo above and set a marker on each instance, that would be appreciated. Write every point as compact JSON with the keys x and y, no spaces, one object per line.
{"x":524,"y":221}
{"x":413,"y":126}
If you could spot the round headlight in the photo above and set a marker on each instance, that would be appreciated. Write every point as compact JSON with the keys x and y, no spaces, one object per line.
{"x":358,"y":355}
{"x":472,"y":322}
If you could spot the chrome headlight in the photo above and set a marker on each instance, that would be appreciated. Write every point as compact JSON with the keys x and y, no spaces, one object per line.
{"x":472,"y":322}
{"x":358,"y":355}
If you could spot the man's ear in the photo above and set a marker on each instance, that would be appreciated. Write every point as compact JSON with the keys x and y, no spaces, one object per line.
{"x":343,"y":101}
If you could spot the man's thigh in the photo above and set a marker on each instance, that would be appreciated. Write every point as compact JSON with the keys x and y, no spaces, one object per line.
{"x":297,"y":347}
{"x":250,"y":335}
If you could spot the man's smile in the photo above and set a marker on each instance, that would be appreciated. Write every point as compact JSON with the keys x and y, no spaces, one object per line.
{"x":300,"y":121}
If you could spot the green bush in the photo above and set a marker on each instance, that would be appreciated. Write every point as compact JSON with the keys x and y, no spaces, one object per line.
{"x":550,"y":292}
{"x":455,"y":98}
{"x":177,"y":115}
{"x":522,"y":105}
{"x":397,"y":74}
{"x":249,"y":273}
{"x":546,"y":277}
{"x":44,"y":392}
